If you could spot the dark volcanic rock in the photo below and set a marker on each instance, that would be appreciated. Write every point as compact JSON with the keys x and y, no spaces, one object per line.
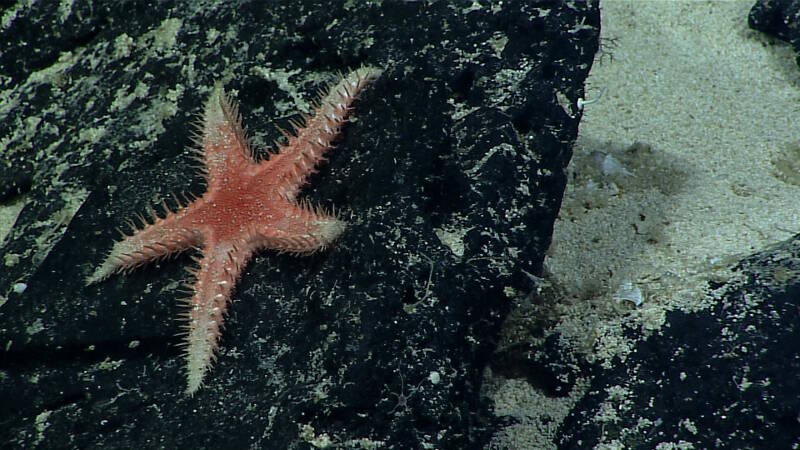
{"x":451,"y":175}
{"x":780,"y":18}
{"x":723,"y":377}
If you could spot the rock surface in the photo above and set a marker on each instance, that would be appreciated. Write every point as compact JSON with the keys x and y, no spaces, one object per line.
{"x":450,"y":175}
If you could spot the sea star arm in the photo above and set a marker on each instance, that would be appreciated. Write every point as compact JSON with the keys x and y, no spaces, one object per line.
{"x":218,"y":271}
{"x":159,"y":239}
{"x":221,"y":143}
{"x":303,"y":230}
{"x":296,"y":160}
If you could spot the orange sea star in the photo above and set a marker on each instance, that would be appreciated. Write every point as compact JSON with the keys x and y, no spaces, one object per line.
{"x":247,"y":206}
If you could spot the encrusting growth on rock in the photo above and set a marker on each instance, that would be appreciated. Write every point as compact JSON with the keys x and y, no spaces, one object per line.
{"x":247,"y":206}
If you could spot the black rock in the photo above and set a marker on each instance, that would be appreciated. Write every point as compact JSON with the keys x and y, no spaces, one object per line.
{"x":451,"y":175}
{"x":722,"y":377}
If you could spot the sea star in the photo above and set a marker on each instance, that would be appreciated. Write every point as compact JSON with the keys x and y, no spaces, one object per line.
{"x":247,"y":206}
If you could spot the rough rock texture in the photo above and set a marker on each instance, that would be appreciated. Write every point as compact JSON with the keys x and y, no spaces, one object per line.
{"x":780,"y":18}
{"x":722,"y":377}
{"x":450,"y":176}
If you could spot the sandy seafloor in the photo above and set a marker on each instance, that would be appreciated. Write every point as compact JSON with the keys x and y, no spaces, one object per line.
{"x":687,"y":163}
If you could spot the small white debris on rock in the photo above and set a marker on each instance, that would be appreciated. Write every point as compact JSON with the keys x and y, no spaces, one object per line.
{"x":627,"y":291}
